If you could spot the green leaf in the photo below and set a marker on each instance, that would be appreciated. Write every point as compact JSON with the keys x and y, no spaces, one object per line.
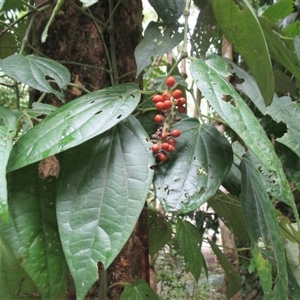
{"x":284,"y":84}
{"x":297,"y":46}
{"x":74,"y":123}
{"x":9,"y":45}
{"x":233,"y":279}
{"x":189,"y":241}
{"x":34,"y":70}
{"x":278,"y":10}
{"x":8,"y":128}
{"x":38,"y":109}
{"x":228,"y":208}
{"x":1,"y":4}
{"x":14,"y":282}
{"x":32,"y":234}
{"x":138,"y":291}
{"x":241,"y":27}
{"x":159,"y":39}
{"x":160,"y":232}
{"x":168,"y":10}
{"x":262,"y":226}
{"x":57,"y":7}
{"x":240,"y":118}
{"x":194,"y":172}
{"x":278,"y":51}
{"x":103,"y":187}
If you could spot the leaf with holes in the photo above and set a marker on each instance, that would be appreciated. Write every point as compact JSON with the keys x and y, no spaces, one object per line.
{"x":194,"y":172}
{"x":34,"y":71}
{"x":8,"y":128}
{"x":103,"y":187}
{"x":242,"y":28}
{"x":240,"y":118}
{"x":74,"y":123}
{"x":263,"y":226}
{"x":159,"y":39}
{"x":32,"y":234}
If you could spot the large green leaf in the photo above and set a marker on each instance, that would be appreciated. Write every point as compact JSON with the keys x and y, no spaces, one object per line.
{"x":8,"y":128}
{"x":168,"y":10}
{"x":189,"y":241}
{"x":14,"y":282}
{"x":278,"y":51}
{"x":160,"y":232}
{"x":103,"y":187}
{"x":263,"y":227}
{"x":233,"y":279}
{"x":138,"y":291}
{"x":34,"y":71}
{"x":193,"y":174}
{"x":32,"y":234}
{"x":241,"y":27}
{"x":240,"y":118}
{"x":159,"y":39}
{"x":75,"y":123}
{"x":278,"y":10}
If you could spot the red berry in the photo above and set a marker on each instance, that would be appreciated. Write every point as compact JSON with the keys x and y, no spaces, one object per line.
{"x":166,"y":95}
{"x":164,"y":135}
{"x":171,"y":142}
{"x":165,"y":146}
{"x":181,"y":109}
{"x":175,"y":133}
{"x":159,"y":105}
{"x":158,"y":119}
{"x":181,"y":101}
{"x":155,"y":148}
{"x":171,"y":148}
{"x":170,"y":81}
{"x":167,"y":104}
{"x":177,"y":94}
{"x":162,"y":156}
{"x":157,"y":98}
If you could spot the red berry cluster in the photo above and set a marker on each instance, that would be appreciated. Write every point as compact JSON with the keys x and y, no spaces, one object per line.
{"x":164,"y":138}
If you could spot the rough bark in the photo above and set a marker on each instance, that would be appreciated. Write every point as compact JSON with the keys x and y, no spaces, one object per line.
{"x":74,"y":40}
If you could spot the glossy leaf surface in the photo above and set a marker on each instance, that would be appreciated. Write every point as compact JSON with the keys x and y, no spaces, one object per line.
{"x":8,"y":128}
{"x":193,"y":174}
{"x":242,"y":28}
{"x":32,"y":234}
{"x":34,"y":70}
{"x":75,"y":123}
{"x":262,"y":226}
{"x":103,"y":187}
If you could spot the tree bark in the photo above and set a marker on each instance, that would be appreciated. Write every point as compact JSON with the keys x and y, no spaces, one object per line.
{"x":98,"y":56}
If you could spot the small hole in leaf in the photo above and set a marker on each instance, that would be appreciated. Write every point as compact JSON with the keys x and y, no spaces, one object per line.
{"x":92,"y":102}
{"x":119,"y":116}
{"x":132,"y":95}
{"x":2,"y":123}
{"x":98,"y":112}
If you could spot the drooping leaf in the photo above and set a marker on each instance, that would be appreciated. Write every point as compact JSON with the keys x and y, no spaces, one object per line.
{"x":138,"y":291}
{"x":14,"y":282}
{"x":57,"y":7}
{"x":240,"y":118}
{"x":75,"y":123}
{"x":241,"y":27}
{"x":233,"y":279}
{"x":103,"y":187}
{"x":160,"y":232}
{"x":189,"y":241}
{"x":159,"y":39}
{"x":278,"y":10}
{"x":32,"y":234}
{"x":193,"y":174}
{"x":8,"y":128}
{"x":228,"y":208}
{"x":169,"y":10}
{"x":262,"y":226}
{"x":40,"y":109}
{"x":34,"y":71}
{"x":278,"y":51}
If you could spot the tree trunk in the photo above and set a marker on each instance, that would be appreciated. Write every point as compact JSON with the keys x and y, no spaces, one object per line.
{"x":98,"y":50}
